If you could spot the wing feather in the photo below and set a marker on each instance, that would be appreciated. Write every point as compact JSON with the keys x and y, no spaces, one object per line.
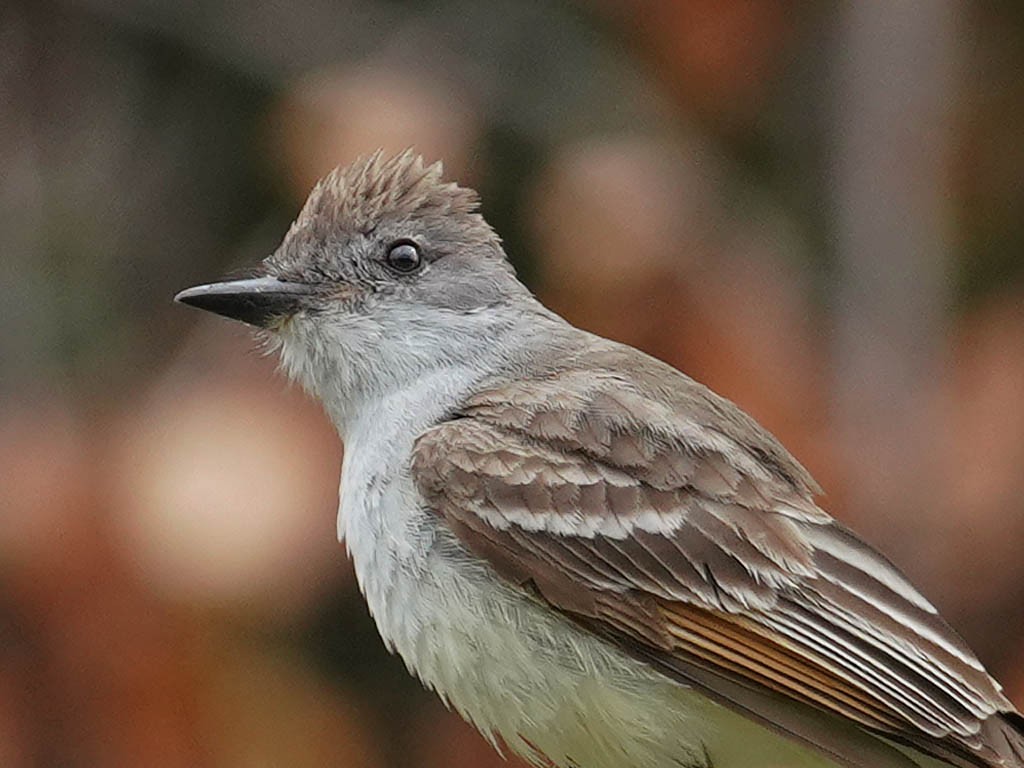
{"x":670,"y":523}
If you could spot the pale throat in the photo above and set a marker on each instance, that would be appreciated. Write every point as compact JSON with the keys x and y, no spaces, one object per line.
{"x":381,"y":394}
{"x":360,"y":367}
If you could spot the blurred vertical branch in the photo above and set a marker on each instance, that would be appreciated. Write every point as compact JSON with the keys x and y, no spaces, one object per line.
{"x":894,"y":86}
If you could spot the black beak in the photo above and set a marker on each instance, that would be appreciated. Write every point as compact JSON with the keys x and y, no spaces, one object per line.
{"x":257,"y":301}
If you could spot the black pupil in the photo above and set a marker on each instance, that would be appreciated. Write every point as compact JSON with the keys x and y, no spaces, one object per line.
{"x":404,"y":257}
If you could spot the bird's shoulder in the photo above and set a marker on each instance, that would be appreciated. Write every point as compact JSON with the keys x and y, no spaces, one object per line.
{"x":612,"y":404}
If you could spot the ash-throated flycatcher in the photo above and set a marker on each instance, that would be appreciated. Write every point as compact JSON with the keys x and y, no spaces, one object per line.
{"x":594,"y":558}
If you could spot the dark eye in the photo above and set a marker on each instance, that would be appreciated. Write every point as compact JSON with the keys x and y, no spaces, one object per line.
{"x":404,"y":257}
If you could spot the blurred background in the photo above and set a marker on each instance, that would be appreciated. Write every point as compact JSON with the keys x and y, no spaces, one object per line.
{"x":817,"y":209}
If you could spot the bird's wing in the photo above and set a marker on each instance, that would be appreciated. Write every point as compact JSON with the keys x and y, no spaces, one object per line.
{"x":681,"y":531}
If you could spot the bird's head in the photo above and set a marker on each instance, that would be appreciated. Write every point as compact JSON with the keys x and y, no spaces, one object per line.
{"x":388,"y":272}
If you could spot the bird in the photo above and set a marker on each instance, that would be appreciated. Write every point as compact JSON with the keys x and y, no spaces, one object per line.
{"x":595,"y":559}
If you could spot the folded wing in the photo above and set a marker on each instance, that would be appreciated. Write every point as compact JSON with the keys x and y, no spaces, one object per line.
{"x":662,"y":518}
